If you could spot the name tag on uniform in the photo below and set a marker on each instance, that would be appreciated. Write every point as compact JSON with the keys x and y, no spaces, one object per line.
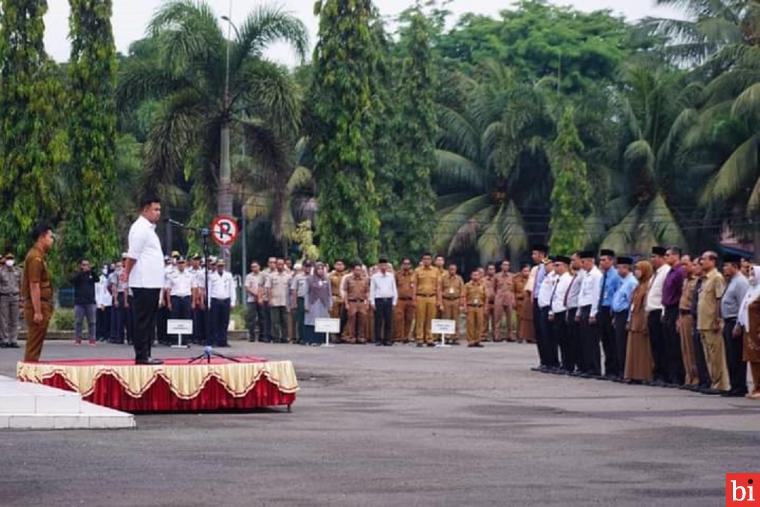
{"x":476,"y":302}
{"x":451,"y":290}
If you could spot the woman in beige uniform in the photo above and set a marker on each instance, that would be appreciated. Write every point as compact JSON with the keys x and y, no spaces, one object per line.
{"x":638,"y":357}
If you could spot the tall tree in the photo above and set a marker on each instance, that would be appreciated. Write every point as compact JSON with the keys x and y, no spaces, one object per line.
{"x":89,"y":221}
{"x":409,"y":221}
{"x":343,"y":114}
{"x":571,"y":191}
{"x":32,"y":144}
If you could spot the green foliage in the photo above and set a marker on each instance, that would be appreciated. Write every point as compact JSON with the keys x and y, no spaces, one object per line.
{"x":343,"y":130}
{"x":89,"y":221}
{"x":33,"y":141}
{"x":303,"y":236}
{"x":571,"y":191}
{"x":62,"y":320}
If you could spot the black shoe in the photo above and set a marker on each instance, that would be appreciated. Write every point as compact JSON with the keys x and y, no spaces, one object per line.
{"x":4,"y":345}
{"x":13,"y":345}
{"x":710,"y":391}
{"x":149,"y":361}
{"x":419,"y":345}
{"x":535,"y":368}
{"x":431,"y":344}
{"x":378,"y":344}
{"x":733,"y":394}
{"x":585,"y":375}
{"x":224,"y":345}
{"x":387,"y":344}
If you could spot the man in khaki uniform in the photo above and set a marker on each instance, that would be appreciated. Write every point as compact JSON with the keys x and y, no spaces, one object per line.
{"x":685,"y":323}
{"x":355,"y":291}
{"x":474,"y":301}
{"x":10,"y":290}
{"x":709,"y":324}
{"x":451,"y":288}
{"x":403,"y":315}
{"x":504,"y":284}
{"x":489,"y":282}
{"x":37,"y":292}
{"x":337,"y":310}
{"x":427,"y":298}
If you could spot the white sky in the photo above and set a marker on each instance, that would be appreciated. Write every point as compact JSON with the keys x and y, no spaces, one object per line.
{"x":130,"y":17}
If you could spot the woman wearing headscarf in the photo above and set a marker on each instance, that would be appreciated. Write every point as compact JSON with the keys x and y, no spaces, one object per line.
{"x":317,"y":302}
{"x":748,"y":324}
{"x":638,"y":357}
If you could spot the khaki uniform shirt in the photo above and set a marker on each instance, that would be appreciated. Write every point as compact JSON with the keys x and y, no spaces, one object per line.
{"x":404,"y":285}
{"x":519,"y":281}
{"x":505,"y":284}
{"x":357,"y":289}
{"x":687,"y":293}
{"x":475,"y":293}
{"x":36,"y":271}
{"x":708,"y":304}
{"x":280,"y":285}
{"x":425,"y":281}
{"x":490,"y":286}
{"x":451,"y":286}
{"x":335,"y":281}
{"x":10,"y":282}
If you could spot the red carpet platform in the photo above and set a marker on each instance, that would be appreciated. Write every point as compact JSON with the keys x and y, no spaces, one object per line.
{"x":175,"y":386}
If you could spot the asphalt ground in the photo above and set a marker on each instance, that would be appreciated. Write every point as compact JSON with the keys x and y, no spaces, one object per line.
{"x":398,"y":426}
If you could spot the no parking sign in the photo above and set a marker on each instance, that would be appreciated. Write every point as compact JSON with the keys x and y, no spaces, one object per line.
{"x":224,"y":230}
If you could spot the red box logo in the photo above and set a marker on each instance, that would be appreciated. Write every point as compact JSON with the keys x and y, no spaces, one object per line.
{"x":743,"y":489}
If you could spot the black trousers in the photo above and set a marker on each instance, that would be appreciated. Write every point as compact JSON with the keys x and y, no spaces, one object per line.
{"x":103,"y":322}
{"x":220,"y":320}
{"x":254,"y":317}
{"x":145,"y":309}
{"x":384,"y":320}
{"x":737,"y":369}
{"x":200,"y":316}
{"x":161,"y":318}
{"x":572,"y":342}
{"x":656,"y":339}
{"x":181,"y":310}
{"x":540,"y":323}
{"x":121,"y":319}
{"x":620,"y":322}
{"x":590,"y":356}
{"x":699,"y":354}
{"x":672,"y":356}
{"x":266,"y":334}
{"x":557,"y":337}
{"x":607,"y":335}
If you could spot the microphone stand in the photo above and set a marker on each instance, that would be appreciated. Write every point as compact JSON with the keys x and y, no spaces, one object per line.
{"x":208,"y":351}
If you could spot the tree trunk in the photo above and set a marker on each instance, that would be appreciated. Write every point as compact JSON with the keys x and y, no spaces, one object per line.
{"x":224,"y":204}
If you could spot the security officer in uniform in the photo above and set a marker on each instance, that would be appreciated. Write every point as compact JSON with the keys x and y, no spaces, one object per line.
{"x":10,"y":288}
{"x":474,"y":302}
{"x":337,"y":310}
{"x":489,"y":282}
{"x":427,"y":298}
{"x":178,"y":291}
{"x":37,"y":292}
{"x":403,"y":317}
{"x":504,"y":288}
{"x":356,"y":296}
{"x":451,"y":290}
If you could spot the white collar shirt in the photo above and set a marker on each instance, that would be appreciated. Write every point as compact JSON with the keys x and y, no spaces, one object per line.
{"x":591,"y":289}
{"x":145,"y":249}
{"x":558,"y":295}
{"x":574,"y":291}
{"x":545,"y":290}
{"x":180,"y":283}
{"x":222,"y":286}
{"x":654,"y":296}
{"x":383,"y":286}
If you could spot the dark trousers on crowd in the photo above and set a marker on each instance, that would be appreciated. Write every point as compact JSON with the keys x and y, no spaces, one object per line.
{"x":541,"y":323}
{"x":181,"y":310}
{"x":299,"y":324}
{"x":672,"y":358}
{"x":199,"y":326}
{"x":384,"y":321}
{"x":267,"y":323}
{"x":145,"y":302}
{"x":699,"y":354}
{"x":557,"y":336}
{"x":572,"y":341}
{"x":607,"y":336}
{"x":590,"y":356}
{"x":737,"y":369}
{"x":620,"y":323}
{"x":254,"y":321}
{"x":656,"y":339}
{"x":103,"y":320}
{"x":161,"y":318}
{"x":220,"y":321}
{"x":279,"y":321}
{"x":120,"y":318}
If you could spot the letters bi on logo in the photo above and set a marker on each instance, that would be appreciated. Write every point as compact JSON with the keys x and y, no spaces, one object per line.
{"x":742,"y":490}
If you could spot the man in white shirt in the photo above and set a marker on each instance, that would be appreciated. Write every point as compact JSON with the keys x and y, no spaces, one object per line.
{"x":382,"y":298}
{"x":558,"y":314}
{"x":543,"y":302}
{"x":103,"y":300}
{"x":179,"y":289}
{"x":144,"y":271}
{"x":572,"y":352}
{"x":253,"y":298}
{"x":221,"y":289}
{"x":198,"y":300}
{"x":590,"y":358}
{"x":656,"y":311}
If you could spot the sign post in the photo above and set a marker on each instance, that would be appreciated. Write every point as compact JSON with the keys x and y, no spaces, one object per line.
{"x":180,"y":327}
{"x":443,"y":327}
{"x":327,"y":326}
{"x":224,"y":230}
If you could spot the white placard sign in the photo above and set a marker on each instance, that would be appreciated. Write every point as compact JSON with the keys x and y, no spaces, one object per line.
{"x":179,"y":326}
{"x":443,"y":326}
{"x":327,"y":325}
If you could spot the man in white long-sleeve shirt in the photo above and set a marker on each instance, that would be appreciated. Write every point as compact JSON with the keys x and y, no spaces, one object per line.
{"x":221,"y":288}
{"x":558,"y":312}
{"x":572,"y":353}
{"x":382,"y":299}
{"x":655,"y":311}
{"x":588,"y":303}
{"x":544,"y":301}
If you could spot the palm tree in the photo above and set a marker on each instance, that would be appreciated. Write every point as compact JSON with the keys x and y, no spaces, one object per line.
{"x":208,"y":85}
{"x":494,"y":138}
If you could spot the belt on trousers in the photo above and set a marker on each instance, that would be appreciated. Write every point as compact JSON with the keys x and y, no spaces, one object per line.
{"x":475,"y":306}
{"x":405,"y":299}
{"x":356,"y":300}
{"x":425,"y":295}
{"x":684,"y":312}
{"x":452,"y":298}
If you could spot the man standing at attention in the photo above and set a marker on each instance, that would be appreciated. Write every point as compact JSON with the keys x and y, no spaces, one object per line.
{"x":144,"y":271}
{"x":729,"y":311}
{"x":178,"y":292}
{"x":355,"y":291}
{"x":338,"y":306}
{"x":655,"y":312}
{"x":621,"y":307}
{"x":382,"y":298}
{"x":451,"y":289}
{"x":537,"y":274}
{"x":588,"y":304}
{"x":504,"y":299}
{"x":404,"y":313}
{"x":278,"y":290}
{"x":254,"y":318}
{"x":221,"y":288}
{"x":37,"y":292}
{"x":10,"y":289}
{"x":709,"y":324}
{"x":473,"y":302}
{"x":426,"y":298}
{"x":610,"y":283}
{"x":84,"y":301}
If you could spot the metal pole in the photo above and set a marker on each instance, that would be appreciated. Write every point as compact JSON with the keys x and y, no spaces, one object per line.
{"x":245,"y":252}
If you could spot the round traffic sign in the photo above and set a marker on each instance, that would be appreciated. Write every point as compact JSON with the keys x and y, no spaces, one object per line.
{"x":224,"y":230}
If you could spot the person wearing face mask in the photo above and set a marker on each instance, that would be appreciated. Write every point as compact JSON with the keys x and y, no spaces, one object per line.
{"x":103,"y":300}
{"x":10,"y":288}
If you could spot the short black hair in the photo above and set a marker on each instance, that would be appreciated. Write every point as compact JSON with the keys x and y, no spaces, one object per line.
{"x":426,"y":254}
{"x":452,"y":263}
{"x":406,"y":259}
{"x":357,"y":264}
{"x":40,"y":230}
{"x":439,"y":255}
{"x":675,"y":250}
{"x":149,"y":199}
{"x":83,"y":259}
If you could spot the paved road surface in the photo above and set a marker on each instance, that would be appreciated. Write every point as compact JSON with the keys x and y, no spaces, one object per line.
{"x":399,"y":426}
